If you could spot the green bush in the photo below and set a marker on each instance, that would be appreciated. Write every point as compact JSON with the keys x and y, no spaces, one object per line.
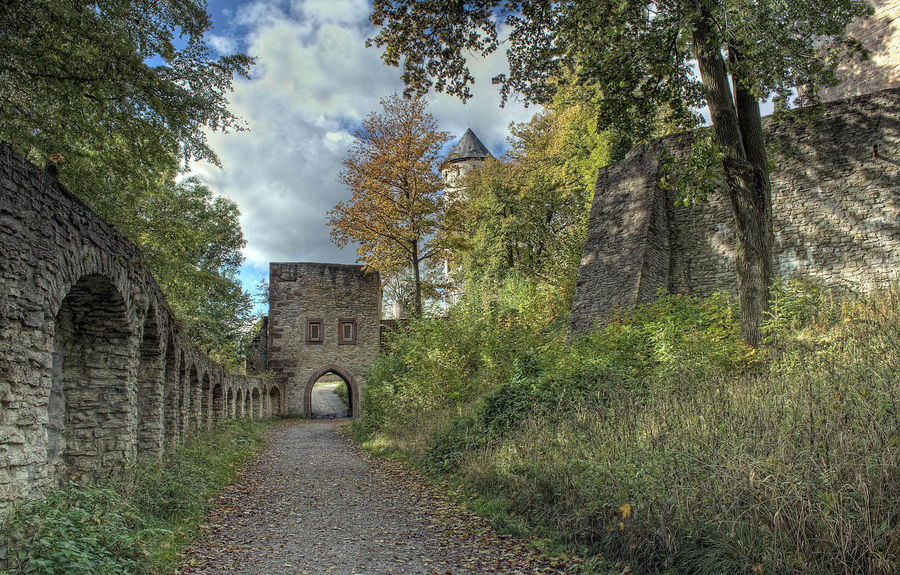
{"x":136,"y":524}
{"x":661,"y":441}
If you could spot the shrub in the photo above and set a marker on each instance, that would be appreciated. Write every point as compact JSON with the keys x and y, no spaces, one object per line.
{"x":662,"y":442}
{"x":136,"y":524}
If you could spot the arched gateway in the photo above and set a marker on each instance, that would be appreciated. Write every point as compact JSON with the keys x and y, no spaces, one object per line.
{"x":352,"y":389}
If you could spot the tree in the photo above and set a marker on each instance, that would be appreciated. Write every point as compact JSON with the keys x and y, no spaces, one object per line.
{"x":396,"y":209}
{"x":192,"y":240}
{"x":526,"y":213}
{"x":115,"y":96}
{"x":102,"y":89}
{"x":640,"y":55}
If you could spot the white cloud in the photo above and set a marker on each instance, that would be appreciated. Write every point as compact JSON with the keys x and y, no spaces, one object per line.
{"x":313,"y":83}
{"x":222,"y":44}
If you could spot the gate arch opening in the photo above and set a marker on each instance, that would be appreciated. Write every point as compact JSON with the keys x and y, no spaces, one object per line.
{"x":93,"y":371}
{"x":352,"y":390}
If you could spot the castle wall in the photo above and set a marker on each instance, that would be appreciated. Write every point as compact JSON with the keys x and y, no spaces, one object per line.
{"x":326,"y":293}
{"x":836,"y":212}
{"x":880,"y":35}
{"x":93,"y":370}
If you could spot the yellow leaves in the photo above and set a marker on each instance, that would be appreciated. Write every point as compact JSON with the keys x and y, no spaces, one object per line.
{"x":624,"y":511}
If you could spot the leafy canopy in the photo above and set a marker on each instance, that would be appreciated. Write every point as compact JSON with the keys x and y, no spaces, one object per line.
{"x":637,"y":52}
{"x":112,"y":85}
{"x":526,"y":213}
{"x":117,"y":96}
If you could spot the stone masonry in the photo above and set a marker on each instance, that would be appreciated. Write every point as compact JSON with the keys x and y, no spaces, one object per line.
{"x":836,"y":208}
{"x":93,"y":370}
{"x":880,"y":35}
{"x":333,"y":298}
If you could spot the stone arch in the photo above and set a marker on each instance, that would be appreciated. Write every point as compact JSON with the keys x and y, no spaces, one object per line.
{"x":248,"y":404}
{"x":353,"y":389}
{"x":193,"y":395}
{"x":218,"y":402}
{"x":149,"y":389}
{"x":205,"y":400}
{"x":229,"y":402}
{"x":90,"y":411}
{"x":239,"y":404}
{"x":184,"y":396}
{"x":275,"y":400}
{"x":257,"y":404}
{"x":171,"y":402}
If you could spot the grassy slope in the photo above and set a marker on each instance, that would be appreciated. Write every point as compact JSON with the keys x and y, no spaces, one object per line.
{"x":661,"y":443}
{"x":138,"y":523}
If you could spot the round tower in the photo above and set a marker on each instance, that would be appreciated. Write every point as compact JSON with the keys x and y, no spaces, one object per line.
{"x":468,"y":153}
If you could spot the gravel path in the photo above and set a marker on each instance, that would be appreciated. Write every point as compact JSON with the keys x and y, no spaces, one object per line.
{"x":326,"y":403}
{"x":312,"y":503}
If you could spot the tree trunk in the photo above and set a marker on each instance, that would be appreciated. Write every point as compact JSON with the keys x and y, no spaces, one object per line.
{"x":738,"y":128}
{"x":418,"y":281}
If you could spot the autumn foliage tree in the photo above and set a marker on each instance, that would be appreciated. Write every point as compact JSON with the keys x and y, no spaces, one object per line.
{"x":396,"y":211}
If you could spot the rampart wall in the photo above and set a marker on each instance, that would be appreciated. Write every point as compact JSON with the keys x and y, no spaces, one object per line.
{"x":836,"y":212}
{"x":93,"y":370}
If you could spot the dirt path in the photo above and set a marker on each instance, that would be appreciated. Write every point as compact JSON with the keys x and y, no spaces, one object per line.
{"x":312,"y":504}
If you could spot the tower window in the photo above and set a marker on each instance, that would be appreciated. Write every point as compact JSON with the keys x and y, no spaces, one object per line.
{"x":347,"y":331}
{"x":314,"y":331}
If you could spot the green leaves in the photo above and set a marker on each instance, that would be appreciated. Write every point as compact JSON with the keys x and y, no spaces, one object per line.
{"x":136,"y":525}
{"x":108,"y":93}
{"x":103,"y":85}
{"x":527,"y":213}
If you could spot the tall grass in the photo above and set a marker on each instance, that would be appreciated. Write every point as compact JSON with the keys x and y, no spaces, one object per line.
{"x":137,"y":524}
{"x":662,"y":443}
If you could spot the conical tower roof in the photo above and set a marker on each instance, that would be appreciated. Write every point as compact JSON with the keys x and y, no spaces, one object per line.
{"x":469,"y":147}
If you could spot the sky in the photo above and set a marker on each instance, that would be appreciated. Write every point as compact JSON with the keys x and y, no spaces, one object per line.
{"x":313,"y":83}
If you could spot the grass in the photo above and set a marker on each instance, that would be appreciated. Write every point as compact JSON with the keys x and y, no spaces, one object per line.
{"x":661,"y":444}
{"x":342,"y":392}
{"x":138,"y":523}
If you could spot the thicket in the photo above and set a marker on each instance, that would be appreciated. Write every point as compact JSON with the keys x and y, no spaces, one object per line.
{"x":136,"y":524}
{"x":661,"y":442}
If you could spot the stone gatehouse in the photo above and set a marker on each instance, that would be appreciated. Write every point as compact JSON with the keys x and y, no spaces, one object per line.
{"x":323,"y":318}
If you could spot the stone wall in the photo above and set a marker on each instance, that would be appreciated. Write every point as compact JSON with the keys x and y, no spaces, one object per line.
{"x":326,"y":294}
{"x":880,"y":34}
{"x":836,"y":210}
{"x":93,"y":370}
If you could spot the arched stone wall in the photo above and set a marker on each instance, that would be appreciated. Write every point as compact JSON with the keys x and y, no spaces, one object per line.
{"x":91,"y":417}
{"x":93,"y":371}
{"x":150,"y":388}
{"x":218,"y":402}
{"x":256,"y":404}
{"x":275,"y":400}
